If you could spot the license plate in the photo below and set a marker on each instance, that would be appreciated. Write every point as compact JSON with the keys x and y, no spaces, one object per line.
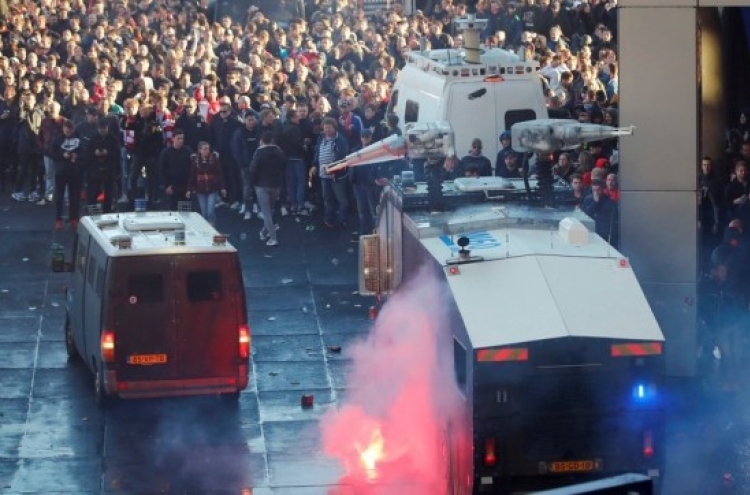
{"x":147,"y":359}
{"x":572,"y":466}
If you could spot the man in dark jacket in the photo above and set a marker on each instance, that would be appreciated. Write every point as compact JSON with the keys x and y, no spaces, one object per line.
{"x":267,"y":174}
{"x":603,"y":211}
{"x":193,"y":125}
{"x":292,"y":143}
{"x":103,"y":158}
{"x":149,"y":141}
{"x":174,"y":166}
{"x":220,"y":132}
{"x":65,"y":150}
{"x":366,"y":191}
{"x":244,"y":143}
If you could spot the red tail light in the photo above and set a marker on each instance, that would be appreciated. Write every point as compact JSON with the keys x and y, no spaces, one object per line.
{"x":648,"y":444}
{"x":107,"y":341}
{"x":244,"y":336}
{"x":490,"y":452}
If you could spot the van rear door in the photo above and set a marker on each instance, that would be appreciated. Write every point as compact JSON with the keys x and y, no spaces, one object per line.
{"x":144,"y":315}
{"x":209,"y":303}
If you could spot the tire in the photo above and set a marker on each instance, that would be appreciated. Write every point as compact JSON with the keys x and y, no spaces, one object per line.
{"x":102,"y":399}
{"x":70,"y":346}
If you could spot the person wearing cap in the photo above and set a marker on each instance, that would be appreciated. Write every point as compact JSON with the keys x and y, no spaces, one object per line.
{"x":476,"y":158}
{"x":350,"y":124}
{"x":102,"y":153}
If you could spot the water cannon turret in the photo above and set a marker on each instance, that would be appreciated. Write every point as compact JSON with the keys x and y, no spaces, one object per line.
{"x":422,"y":141}
{"x":552,"y":135}
{"x":472,"y":28}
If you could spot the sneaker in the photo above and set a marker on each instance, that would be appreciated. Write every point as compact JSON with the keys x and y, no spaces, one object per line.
{"x":18,"y":196}
{"x":248,"y":215}
{"x":264,"y":233}
{"x":58,"y":224}
{"x":220,"y":204}
{"x":255,"y":209}
{"x":303,"y":212}
{"x":235,"y":205}
{"x":42,"y":202}
{"x":243,"y":209}
{"x":260,"y":215}
{"x":284,"y":211}
{"x":49,"y":197}
{"x":123,"y":199}
{"x":272,"y":242}
{"x":34,"y":197}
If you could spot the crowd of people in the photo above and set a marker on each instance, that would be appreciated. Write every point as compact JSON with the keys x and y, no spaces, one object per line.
{"x":170,"y":100}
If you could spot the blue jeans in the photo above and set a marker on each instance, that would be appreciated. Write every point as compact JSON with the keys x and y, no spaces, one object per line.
{"x":49,"y":176}
{"x":366,"y":196}
{"x":267,"y":198}
{"x":248,"y":196}
{"x":335,"y":200}
{"x":124,"y":171}
{"x":207,"y":205}
{"x":296,"y":182}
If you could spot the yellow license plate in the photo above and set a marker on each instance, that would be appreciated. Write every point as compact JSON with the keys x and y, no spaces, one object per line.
{"x":572,"y":466}
{"x":147,"y":359}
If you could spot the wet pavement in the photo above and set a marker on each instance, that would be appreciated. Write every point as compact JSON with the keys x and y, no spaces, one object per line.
{"x":302,"y":305}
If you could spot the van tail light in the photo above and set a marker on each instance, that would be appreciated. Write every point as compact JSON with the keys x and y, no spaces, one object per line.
{"x":244,"y":336}
{"x":490,"y":451}
{"x":108,"y":346}
{"x":648,"y":444}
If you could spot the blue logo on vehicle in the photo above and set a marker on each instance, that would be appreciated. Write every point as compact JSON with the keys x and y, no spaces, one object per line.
{"x":477,"y":240}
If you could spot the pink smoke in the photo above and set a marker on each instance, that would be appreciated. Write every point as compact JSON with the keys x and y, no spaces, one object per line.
{"x":401,"y":391}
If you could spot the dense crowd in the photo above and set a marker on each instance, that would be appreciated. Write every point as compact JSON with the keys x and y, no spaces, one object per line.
{"x":173,"y":101}
{"x":169,"y":100}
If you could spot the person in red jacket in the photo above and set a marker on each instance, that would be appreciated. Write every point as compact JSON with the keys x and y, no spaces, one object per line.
{"x":206,"y":180}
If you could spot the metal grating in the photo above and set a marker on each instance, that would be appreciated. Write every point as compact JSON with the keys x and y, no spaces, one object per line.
{"x":370,"y":273}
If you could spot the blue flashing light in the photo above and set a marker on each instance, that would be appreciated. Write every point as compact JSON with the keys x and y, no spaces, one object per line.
{"x":644,"y":392}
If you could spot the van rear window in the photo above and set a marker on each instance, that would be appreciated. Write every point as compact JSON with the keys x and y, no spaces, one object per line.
{"x":204,"y":286}
{"x":147,"y":288}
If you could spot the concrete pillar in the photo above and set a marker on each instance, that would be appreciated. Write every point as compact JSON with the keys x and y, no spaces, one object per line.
{"x":659,"y":94}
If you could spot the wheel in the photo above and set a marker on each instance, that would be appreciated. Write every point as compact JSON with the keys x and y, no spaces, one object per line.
{"x":102,"y":398}
{"x":70,"y":346}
